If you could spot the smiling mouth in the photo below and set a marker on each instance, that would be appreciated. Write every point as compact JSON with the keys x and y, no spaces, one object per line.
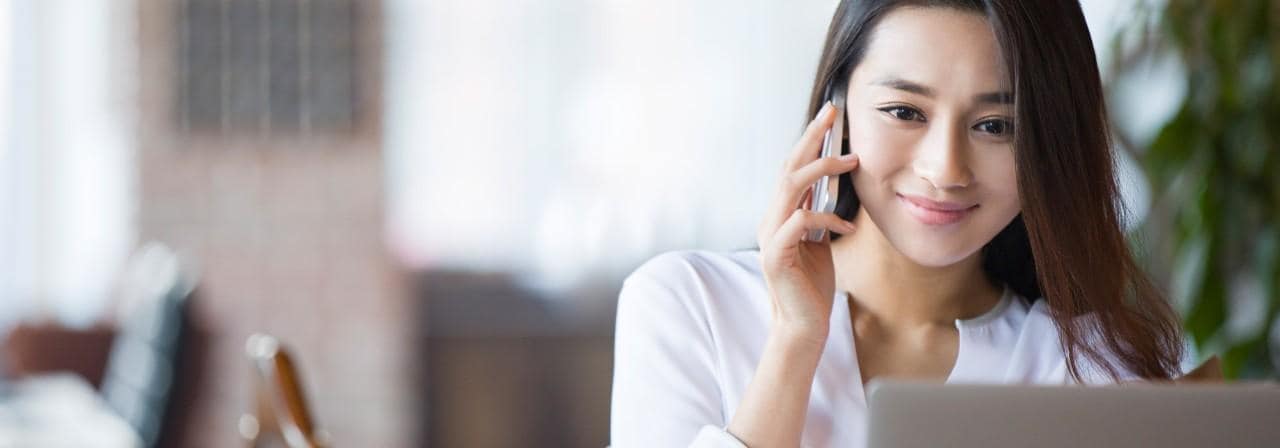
{"x":935,"y":213}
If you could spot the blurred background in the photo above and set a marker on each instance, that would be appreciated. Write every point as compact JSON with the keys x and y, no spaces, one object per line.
{"x":405,"y":222}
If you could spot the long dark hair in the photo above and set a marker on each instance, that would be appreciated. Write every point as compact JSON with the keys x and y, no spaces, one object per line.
{"x":1067,"y":246}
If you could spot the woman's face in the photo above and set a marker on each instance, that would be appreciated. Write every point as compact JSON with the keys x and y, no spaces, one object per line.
{"x":931,"y":118}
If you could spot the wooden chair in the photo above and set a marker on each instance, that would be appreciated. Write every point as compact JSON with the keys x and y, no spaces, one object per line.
{"x":282,"y":417}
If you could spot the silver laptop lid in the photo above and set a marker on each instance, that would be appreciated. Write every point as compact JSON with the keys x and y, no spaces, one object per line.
{"x":933,"y":415}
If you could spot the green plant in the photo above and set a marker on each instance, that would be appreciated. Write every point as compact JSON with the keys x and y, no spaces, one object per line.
{"x":1214,"y":228}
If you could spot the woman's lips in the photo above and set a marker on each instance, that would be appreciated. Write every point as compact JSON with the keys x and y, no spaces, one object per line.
{"x":936,"y":213}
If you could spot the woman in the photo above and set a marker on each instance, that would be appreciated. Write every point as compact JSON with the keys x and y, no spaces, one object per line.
{"x":966,"y":248}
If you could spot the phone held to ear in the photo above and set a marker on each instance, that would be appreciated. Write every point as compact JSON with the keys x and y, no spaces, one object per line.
{"x":825,"y":191}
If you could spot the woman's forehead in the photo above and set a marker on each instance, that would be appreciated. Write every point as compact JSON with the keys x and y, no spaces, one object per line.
{"x":946,"y":50}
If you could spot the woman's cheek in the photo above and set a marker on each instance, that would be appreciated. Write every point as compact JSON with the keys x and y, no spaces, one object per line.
{"x":998,"y":173}
{"x":878,"y":148}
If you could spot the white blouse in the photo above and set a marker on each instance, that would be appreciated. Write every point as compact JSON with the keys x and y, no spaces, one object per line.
{"x":691,"y":329}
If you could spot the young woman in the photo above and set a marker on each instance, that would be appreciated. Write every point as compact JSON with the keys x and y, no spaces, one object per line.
{"x":977,"y":240}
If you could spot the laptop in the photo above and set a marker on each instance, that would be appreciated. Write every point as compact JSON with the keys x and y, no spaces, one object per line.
{"x":1186,"y":415}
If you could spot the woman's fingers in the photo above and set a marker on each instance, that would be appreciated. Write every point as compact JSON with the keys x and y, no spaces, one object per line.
{"x":805,"y":197}
{"x":802,"y":168}
{"x":798,"y":181}
{"x":802,"y":221}
{"x":806,"y":149}
{"x":779,"y":213}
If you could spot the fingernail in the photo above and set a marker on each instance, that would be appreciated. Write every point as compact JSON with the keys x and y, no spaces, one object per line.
{"x":849,"y":225}
{"x":825,"y":108}
{"x":848,"y":157}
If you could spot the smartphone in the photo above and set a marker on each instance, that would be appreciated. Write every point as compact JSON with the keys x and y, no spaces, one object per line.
{"x":826,"y":190}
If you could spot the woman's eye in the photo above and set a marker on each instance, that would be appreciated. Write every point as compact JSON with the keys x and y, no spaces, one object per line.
{"x":995,"y":127}
{"x":904,"y":113}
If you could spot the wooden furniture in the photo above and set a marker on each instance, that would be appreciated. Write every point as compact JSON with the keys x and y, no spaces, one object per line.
{"x":507,"y":365}
{"x":43,"y":347}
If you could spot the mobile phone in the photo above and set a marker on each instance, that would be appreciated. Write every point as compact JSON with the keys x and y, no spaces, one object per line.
{"x":826,"y":190}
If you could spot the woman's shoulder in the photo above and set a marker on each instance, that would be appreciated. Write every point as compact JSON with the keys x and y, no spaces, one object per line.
{"x":687,"y":261}
{"x":715,"y":291}
{"x":699,"y":271}
{"x":680,"y":335}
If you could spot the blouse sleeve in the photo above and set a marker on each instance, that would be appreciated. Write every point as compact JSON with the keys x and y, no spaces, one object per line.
{"x":665,"y":392}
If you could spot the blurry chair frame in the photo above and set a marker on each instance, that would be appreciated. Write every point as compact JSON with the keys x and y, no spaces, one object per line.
{"x":145,"y":370}
{"x":280,"y":403}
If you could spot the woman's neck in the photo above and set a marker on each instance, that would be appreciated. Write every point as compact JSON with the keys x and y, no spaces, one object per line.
{"x":899,"y":292}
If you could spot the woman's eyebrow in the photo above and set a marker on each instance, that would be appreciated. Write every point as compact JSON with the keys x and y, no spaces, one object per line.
{"x":905,"y":86}
{"x":1002,"y":97}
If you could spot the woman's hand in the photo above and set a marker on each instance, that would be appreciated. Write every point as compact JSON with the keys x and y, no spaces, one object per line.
{"x":801,"y":280}
{"x":800,"y":274}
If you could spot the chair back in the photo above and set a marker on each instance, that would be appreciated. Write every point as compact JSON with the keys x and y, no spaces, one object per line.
{"x":281,"y":404}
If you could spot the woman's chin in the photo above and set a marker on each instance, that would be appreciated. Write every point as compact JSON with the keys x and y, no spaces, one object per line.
{"x":933,"y":251}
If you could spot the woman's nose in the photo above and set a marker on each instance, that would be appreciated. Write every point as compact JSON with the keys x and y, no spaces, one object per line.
{"x":942,"y":158}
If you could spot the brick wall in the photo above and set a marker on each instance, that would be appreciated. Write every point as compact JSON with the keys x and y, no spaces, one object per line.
{"x":287,"y":237}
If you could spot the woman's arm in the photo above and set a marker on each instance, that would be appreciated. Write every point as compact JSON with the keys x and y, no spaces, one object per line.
{"x":773,"y":410}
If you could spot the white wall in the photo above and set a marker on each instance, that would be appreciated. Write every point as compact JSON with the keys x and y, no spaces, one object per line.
{"x":66,"y":169}
{"x":571,"y":139}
